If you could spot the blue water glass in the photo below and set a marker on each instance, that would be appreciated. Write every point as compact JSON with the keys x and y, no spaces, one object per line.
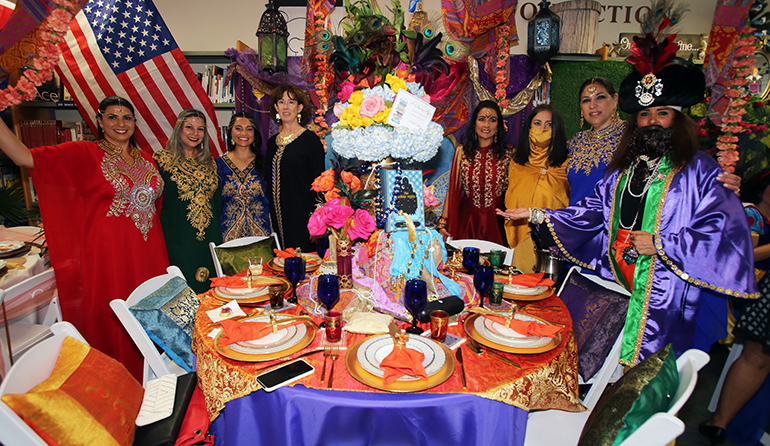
{"x":328,"y":290}
{"x":294,"y":270}
{"x":483,"y":279}
{"x":415,"y":299}
{"x":470,"y":259}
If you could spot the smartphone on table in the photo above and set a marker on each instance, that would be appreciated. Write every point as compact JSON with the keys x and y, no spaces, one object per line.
{"x":284,"y":374}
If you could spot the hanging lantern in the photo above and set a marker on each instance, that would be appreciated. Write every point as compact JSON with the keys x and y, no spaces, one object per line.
{"x":272,"y":35}
{"x":543,"y":34}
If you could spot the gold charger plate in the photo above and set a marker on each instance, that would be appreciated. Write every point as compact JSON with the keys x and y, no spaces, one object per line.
{"x":16,"y":252}
{"x":361,"y":375}
{"x":227,"y":352}
{"x":309,"y":268}
{"x":470,"y":330}
{"x":252,"y":300}
{"x":529,"y":297}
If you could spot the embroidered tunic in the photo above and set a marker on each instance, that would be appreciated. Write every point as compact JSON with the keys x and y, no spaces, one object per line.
{"x":590,"y":153}
{"x":245,"y":209}
{"x":191,"y":202}
{"x":104,"y":235}
{"x":702,"y":240}
{"x":289,"y":173}
{"x":476,"y":188}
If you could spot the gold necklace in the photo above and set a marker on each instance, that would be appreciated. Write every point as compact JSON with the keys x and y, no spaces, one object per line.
{"x":286,"y":140}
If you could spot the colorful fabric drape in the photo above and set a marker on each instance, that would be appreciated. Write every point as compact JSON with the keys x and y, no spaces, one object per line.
{"x":729,"y":18}
{"x":477,"y":20}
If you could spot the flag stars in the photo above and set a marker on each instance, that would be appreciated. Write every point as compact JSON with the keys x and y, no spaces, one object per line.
{"x":118,"y":55}
{"x":128,"y":4}
{"x":155,"y":37}
{"x":140,"y":53}
{"x":126,"y":14}
{"x":135,"y":28}
{"x":143,"y":42}
{"x":100,"y":3}
{"x":137,"y":18}
{"x":119,"y":44}
{"x":130,"y":49}
{"x":122,"y":35}
{"x":129,"y":59}
{"x":110,"y":29}
{"x":108,"y":39}
{"x":165,"y":42}
{"x":158,"y":28}
{"x":132,"y":39}
{"x":124,"y":24}
{"x":116,"y":64}
{"x":113,"y":19}
{"x":115,"y":8}
{"x":145,"y":32}
{"x":149,"y":13}
{"x":147,"y":23}
{"x":153,"y":47}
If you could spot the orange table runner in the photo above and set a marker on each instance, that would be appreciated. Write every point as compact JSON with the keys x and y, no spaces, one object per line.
{"x":545,"y":381}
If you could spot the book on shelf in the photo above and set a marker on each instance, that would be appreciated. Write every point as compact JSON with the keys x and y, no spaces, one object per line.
{"x":213,"y":80}
{"x":37,"y":133}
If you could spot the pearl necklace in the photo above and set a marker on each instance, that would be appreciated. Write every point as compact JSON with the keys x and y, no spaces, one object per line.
{"x":647,"y":183}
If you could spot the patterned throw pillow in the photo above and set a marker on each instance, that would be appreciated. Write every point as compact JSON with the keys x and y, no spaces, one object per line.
{"x":598,"y":315}
{"x":89,"y":399}
{"x":642,"y":392}
{"x":168,"y":317}
{"x":236,"y":259}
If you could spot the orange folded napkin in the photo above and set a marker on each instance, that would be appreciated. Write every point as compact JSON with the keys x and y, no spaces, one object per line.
{"x":289,"y":252}
{"x":403,"y":361}
{"x":529,"y":280}
{"x":228,"y":282}
{"x":527,"y":328}
{"x":247,"y":331}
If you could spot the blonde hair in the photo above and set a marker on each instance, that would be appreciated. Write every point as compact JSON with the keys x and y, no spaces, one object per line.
{"x":176,"y":146}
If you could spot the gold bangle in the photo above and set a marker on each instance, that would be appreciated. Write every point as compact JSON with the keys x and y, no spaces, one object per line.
{"x":442,"y":223}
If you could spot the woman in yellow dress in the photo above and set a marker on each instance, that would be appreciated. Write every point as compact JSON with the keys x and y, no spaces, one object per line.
{"x":537,"y":177}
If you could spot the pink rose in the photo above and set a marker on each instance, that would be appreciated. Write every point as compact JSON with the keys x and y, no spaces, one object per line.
{"x":337,"y":215}
{"x":316,"y":225}
{"x":362,"y":226}
{"x":371,"y":106}
{"x":346,"y":90}
{"x":428,"y":197}
{"x":338,"y":109}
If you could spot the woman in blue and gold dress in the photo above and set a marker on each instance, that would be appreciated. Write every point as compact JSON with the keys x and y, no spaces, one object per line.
{"x":245,"y":209}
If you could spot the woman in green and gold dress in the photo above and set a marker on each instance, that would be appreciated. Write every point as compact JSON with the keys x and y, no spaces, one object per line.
{"x":191,"y":199}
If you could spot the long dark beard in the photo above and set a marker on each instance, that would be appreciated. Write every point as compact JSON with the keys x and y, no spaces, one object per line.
{"x":651,"y":142}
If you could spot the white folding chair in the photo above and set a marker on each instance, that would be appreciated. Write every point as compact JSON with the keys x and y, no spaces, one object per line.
{"x":237,"y":242}
{"x":155,"y":364}
{"x":28,"y":372}
{"x":484,"y":246}
{"x":663,"y":427}
{"x":39,"y":301}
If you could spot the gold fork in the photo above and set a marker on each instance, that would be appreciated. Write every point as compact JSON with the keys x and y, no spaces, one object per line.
{"x":335,"y":354}
{"x":327,"y":353}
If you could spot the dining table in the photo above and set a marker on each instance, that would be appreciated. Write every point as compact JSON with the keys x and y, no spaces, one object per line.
{"x":491,"y":410}
{"x":22,"y":264}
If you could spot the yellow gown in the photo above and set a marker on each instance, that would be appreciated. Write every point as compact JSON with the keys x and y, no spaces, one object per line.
{"x":536,"y":184}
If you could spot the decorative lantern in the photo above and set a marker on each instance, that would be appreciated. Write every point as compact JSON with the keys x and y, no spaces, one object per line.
{"x":543,"y":34}
{"x":272,"y":35}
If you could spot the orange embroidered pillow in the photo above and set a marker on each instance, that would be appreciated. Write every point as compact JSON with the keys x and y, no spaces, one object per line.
{"x":89,"y":398}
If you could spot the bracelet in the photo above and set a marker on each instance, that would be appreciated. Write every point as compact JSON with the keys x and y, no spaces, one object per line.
{"x":536,"y":216}
{"x":442,"y":223}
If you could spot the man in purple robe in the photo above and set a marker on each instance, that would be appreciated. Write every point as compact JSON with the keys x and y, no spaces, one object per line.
{"x":659,"y":223}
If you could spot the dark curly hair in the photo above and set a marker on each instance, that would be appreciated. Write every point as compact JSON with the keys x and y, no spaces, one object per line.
{"x":471,"y":140}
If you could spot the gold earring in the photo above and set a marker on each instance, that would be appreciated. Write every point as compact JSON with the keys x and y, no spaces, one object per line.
{"x":615,"y":114}
{"x":277,"y":116}
{"x":495,"y":138}
{"x":582,"y":121}
{"x":299,"y":121}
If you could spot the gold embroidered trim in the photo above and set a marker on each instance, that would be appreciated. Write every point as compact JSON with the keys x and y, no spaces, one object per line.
{"x":615,"y":272}
{"x":277,"y":190}
{"x":563,"y":250}
{"x":137,"y":186}
{"x":241,"y":175}
{"x":476,"y":172}
{"x":588,"y":149}
{"x":196,"y":184}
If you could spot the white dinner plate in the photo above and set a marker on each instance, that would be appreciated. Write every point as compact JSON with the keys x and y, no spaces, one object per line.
{"x":7,"y":246}
{"x":2,"y":264}
{"x":240,"y":293}
{"x":374,"y":350}
{"x":524,"y":290}
{"x":293,"y":336}
{"x":486,"y":328}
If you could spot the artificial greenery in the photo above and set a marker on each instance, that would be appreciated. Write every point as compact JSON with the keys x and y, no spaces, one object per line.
{"x":567,"y":78}
{"x":13,"y":207}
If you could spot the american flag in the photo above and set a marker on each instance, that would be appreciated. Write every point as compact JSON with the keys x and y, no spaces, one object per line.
{"x":123,"y":48}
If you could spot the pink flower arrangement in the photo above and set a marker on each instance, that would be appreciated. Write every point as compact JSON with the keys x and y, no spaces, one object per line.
{"x":339,"y":217}
{"x":346,"y":90}
{"x":54,"y":28}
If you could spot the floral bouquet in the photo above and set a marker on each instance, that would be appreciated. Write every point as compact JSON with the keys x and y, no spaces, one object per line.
{"x":344,"y":212}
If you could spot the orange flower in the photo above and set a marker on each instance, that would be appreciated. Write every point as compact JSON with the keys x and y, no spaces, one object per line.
{"x":332,"y":194}
{"x":351,"y":180}
{"x":324,"y":183}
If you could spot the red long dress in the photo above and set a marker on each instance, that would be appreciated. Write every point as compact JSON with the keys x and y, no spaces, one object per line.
{"x":104,"y":236}
{"x":476,"y":188}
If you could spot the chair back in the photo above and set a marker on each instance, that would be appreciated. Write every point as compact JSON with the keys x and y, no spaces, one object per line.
{"x":154,"y":365}
{"x":30,"y":307}
{"x":28,"y":372}
{"x":484,"y":246}
{"x":237,"y":242}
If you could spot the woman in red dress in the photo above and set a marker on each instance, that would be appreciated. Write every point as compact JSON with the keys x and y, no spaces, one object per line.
{"x":478,"y":179}
{"x":97,"y":201}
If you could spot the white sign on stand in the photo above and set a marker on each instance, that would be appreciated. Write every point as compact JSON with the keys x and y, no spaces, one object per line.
{"x":410,"y":111}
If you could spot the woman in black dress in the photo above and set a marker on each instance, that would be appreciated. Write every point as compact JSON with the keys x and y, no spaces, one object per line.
{"x":295,"y":157}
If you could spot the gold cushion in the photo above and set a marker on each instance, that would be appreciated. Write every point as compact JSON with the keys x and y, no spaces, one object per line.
{"x":236,"y":258}
{"x":89,"y":399}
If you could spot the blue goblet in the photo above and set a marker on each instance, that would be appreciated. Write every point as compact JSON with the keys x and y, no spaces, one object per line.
{"x":294,"y":270}
{"x":322,"y":245}
{"x":470,"y":259}
{"x":483,"y":280}
{"x":328,"y":291}
{"x":415,"y":299}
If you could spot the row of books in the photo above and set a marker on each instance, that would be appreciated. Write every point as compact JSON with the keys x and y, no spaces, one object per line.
{"x":213,"y":80}
{"x":36,"y":133}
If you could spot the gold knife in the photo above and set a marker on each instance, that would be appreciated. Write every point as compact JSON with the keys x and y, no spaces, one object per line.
{"x":459,"y":355}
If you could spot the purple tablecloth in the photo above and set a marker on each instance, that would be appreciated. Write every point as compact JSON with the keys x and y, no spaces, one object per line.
{"x":300,"y":416}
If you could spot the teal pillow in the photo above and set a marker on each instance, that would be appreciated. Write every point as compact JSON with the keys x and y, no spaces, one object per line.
{"x":168,"y":317}
{"x":642,"y":392}
{"x":236,"y":259}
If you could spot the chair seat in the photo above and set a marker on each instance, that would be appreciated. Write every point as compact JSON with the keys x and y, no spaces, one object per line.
{"x":24,"y":336}
{"x":540,"y":427}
